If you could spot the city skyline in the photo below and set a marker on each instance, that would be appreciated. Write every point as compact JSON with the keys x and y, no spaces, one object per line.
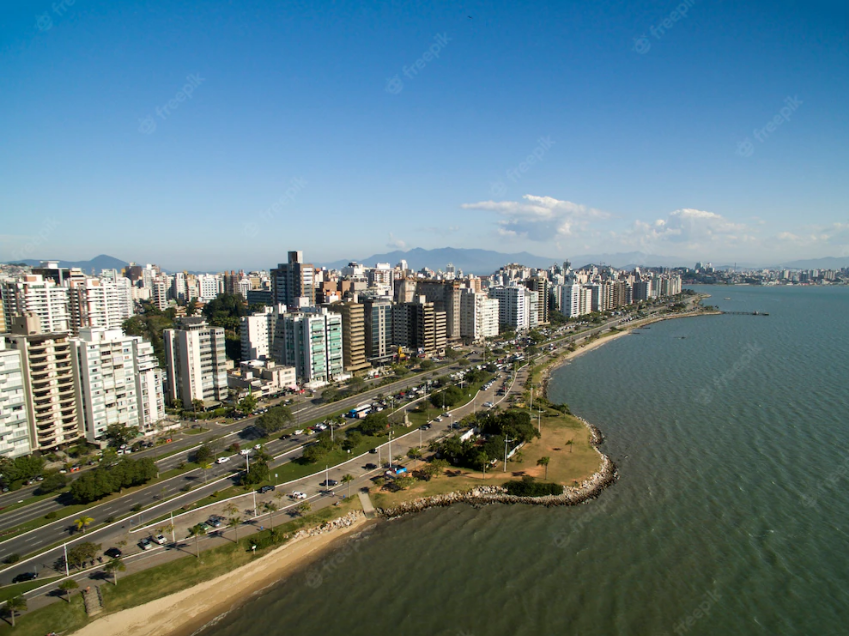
{"x":362,"y":129}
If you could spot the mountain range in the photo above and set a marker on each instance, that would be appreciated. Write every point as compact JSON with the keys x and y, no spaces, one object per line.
{"x":97,"y":263}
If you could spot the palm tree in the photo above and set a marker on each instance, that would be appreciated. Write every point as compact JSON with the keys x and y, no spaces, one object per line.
{"x":65,"y":588}
{"x":83,"y":522}
{"x":168,"y":527}
{"x":197,"y":405}
{"x":231,"y":509}
{"x":543,"y":461}
{"x":234,"y":523}
{"x":16,"y":604}
{"x":196,"y":531}
{"x":205,"y":466}
{"x":569,"y":444}
{"x":113,"y":567}
{"x":347,"y":479}
{"x":271,"y":507}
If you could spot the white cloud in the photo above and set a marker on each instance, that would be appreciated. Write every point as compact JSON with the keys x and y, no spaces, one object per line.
{"x":694,"y":229}
{"x":831,"y":236}
{"x":396,"y":243}
{"x":539,"y":218}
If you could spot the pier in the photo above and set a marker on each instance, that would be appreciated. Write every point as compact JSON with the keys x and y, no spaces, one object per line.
{"x":745,"y":313}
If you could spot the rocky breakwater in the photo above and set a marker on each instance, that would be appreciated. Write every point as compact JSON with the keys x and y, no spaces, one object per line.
{"x":345,"y":521}
{"x":483,"y":495}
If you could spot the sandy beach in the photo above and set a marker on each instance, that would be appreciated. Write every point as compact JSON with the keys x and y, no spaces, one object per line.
{"x":185,"y":612}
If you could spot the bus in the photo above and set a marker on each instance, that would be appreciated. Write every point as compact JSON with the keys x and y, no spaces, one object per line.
{"x":360,"y":411}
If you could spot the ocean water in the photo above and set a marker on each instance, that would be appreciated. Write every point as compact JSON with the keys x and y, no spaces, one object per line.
{"x":731,"y":515}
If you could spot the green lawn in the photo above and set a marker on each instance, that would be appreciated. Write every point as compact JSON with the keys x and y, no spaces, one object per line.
{"x":61,"y":617}
{"x":8,"y":591}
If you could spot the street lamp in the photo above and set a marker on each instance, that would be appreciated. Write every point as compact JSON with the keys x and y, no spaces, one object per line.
{"x":506,"y":441}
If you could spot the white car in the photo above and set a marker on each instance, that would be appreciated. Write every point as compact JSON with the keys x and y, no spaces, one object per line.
{"x":245,"y":451}
{"x":222,"y":460}
{"x":258,"y":447}
{"x":300,"y":431}
{"x":160,"y":539}
{"x":298,"y":495}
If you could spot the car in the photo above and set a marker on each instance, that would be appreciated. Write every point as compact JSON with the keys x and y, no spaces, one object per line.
{"x":23,"y":577}
{"x":298,"y":495}
{"x":204,"y":526}
{"x":245,"y":451}
{"x":300,"y":431}
{"x":214,"y":521}
{"x":327,"y":483}
{"x":145,"y":544}
{"x":373,"y":451}
{"x":113,"y":553}
{"x":370,"y":466}
{"x":266,"y":489}
{"x":160,"y":539}
{"x":257,"y":446}
{"x":222,"y":460}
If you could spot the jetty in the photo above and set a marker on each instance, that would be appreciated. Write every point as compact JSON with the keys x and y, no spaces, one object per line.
{"x":745,"y":313}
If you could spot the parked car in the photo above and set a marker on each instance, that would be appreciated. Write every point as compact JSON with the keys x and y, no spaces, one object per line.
{"x":257,"y":446}
{"x":370,"y":466}
{"x":215,"y":521}
{"x":245,"y":451}
{"x":145,"y":544}
{"x":222,"y":460}
{"x":113,"y":553}
{"x":298,"y":495}
{"x":23,"y":577}
{"x":160,"y":539}
{"x":328,"y":483}
{"x":265,"y":489}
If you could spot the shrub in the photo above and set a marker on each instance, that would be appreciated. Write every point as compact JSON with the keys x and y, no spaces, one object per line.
{"x":12,"y":558}
{"x":531,"y":488}
{"x":50,"y":515}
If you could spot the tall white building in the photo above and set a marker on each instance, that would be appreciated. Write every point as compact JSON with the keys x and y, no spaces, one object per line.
{"x":14,"y":421}
{"x":479,"y":317}
{"x":46,"y":299}
{"x":572,"y":300}
{"x":99,"y":302}
{"x":513,"y":312}
{"x":208,"y":287}
{"x":149,"y":385}
{"x":257,"y":333}
{"x":197,"y":362}
{"x":104,"y":376}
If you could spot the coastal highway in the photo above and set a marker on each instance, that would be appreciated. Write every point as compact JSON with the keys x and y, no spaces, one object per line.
{"x":136,"y":559}
{"x":219,"y":477}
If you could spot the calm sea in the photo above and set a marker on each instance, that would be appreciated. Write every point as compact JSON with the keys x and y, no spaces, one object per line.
{"x":731,"y":515}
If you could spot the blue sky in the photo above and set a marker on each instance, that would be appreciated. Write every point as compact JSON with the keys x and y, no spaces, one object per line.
{"x":348,"y":129}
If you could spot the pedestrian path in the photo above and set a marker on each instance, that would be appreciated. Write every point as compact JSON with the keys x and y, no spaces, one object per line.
{"x":93,"y":600}
{"x":368,"y":507}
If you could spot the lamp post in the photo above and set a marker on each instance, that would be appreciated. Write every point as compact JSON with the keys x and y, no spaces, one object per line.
{"x":506,"y":441}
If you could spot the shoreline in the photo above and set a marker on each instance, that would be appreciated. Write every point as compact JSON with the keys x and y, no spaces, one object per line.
{"x":191,"y":610}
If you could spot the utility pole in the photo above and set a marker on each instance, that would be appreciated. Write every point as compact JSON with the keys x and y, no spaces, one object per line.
{"x":67,"y":570}
{"x":173,"y":532}
{"x":390,"y":449}
{"x":506,"y":441}
{"x":254,"y":493}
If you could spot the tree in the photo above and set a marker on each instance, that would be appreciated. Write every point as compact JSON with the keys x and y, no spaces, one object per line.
{"x":275,"y":419}
{"x":404,"y":482}
{"x":66,"y":587}
{"x":375,"y":423}
{"x":356,"y":384}
{"x":347,"y":479}
{"x":83,"y":522}
{"x":270,"y":507}
{"x":426,"y":364}
{"x":113,"y":567}
{"x":53,"y":481}
{"x":204,"y":454}
{"x":248,"y":403}
{"x":197,"y":531}
{"x":82,"y":552}
{"x":235,"y":522}
{"x":118,"y":434}
{"x":205,"y":466}
{"x":197,"y":405}
{"x":192,"y":307}
{"x":569,"y":444}
{"x":303,"y":508}
{"x":257,"y":474}
{"x":414,"y":454}
{"x":353,"y":438}
{"x":14,"y":605}
{"x":543,"y":461}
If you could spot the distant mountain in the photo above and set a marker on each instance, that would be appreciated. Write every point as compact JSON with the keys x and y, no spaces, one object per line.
{"x":475,"y":261}
{"x":828,"y":262}
{"x":97,"y":263}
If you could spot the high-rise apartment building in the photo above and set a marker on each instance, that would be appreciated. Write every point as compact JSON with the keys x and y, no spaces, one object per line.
{"x":43,"y":297}
{"x":292,"y":280}
{"x":99,"y":302}
{"x":513,"y":312}
{"x":48,"y":382}
{"x":445,"y":296}
{"x":197,"y":362}
{"x":353,"y":335}
{"x":14,"y":420}
{"x":209,"y":286}
{"x":478,"y":316}
{"x":378,"y":329}
{"x":257,"y":333}
{"x":312,"y":343}
{"x":541,"y":286}
{"x":418,"y":326}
